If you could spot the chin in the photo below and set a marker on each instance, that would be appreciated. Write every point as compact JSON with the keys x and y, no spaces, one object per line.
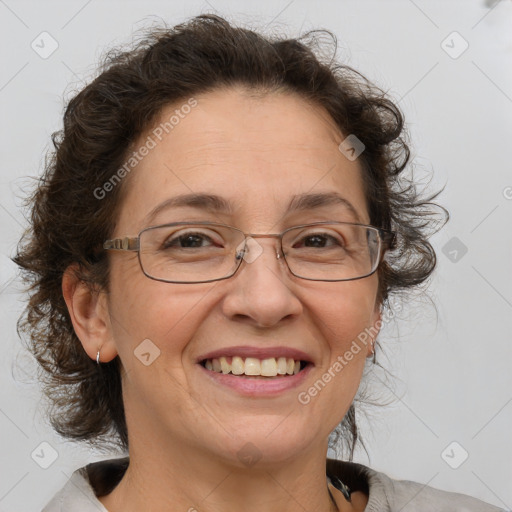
{"x":265,"y":446}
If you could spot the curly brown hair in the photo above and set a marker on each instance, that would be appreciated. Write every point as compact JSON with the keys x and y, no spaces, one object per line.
{"x":102,"y":123}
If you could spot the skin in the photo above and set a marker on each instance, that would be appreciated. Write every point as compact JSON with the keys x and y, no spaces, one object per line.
{"x":184,"y":431}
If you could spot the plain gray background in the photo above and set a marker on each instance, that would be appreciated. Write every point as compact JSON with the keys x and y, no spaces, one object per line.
{"x":452,"y":392}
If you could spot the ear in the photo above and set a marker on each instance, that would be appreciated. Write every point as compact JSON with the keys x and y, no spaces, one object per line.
{"x":88,"y":309}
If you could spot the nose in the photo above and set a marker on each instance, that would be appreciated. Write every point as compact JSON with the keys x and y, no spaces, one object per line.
{"x":261,"y":292}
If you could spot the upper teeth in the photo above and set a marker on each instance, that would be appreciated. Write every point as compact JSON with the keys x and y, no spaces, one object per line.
{"x":252,"y":366}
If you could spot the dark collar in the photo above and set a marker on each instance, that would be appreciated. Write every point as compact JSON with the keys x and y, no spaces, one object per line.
{"x":350,"y":473}
{"x":106,"y":474}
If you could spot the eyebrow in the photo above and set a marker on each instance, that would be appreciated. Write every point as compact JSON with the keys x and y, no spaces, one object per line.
{"x":216,"y":204}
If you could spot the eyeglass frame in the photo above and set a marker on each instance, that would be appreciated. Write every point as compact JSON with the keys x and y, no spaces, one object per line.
{"x":386,"y":237}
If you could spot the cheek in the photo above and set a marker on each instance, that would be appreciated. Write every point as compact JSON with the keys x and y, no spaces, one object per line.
{"x":165,"y":313}
{"x":343,"y":314}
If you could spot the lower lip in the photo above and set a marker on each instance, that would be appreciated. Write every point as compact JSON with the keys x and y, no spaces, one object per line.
{"x":259,"y":386}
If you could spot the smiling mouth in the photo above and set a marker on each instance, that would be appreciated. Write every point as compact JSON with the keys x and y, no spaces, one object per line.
{"x":255,"y":368}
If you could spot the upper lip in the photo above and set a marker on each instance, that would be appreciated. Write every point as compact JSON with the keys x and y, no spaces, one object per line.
{"x":257,"y":352}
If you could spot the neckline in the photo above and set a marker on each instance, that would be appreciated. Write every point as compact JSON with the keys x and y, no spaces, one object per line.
{"x":103,"y":476}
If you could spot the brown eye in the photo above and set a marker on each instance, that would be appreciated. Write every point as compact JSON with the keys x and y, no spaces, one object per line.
{"x":318,"y":240}
{"x":191,"y":240}
{"x":187,"y":241}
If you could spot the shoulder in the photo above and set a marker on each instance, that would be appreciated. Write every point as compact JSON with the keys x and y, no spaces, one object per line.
{"x":386,"y":494}
{"x":76,"y":495}
{"x":81,"y":491}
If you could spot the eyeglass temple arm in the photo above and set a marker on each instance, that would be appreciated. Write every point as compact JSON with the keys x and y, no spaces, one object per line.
{"x":122,"y":244}
{"x":389,"y":238}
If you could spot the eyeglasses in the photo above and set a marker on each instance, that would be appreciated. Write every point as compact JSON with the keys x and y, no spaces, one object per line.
{"x":185,"y":252}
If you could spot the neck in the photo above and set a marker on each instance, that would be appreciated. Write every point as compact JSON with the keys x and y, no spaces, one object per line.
{"x":186,"y":478}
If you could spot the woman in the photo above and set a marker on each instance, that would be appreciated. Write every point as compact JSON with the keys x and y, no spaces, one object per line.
{"x":213,"y":248}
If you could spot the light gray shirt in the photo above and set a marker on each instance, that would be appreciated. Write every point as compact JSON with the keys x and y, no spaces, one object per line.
{"x":385,"y":494}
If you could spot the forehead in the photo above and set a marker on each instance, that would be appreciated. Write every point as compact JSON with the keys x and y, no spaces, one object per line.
{"x":257,"y":152}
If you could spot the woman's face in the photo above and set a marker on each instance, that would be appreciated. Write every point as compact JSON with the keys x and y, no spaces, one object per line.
{"x":257,"y":154}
